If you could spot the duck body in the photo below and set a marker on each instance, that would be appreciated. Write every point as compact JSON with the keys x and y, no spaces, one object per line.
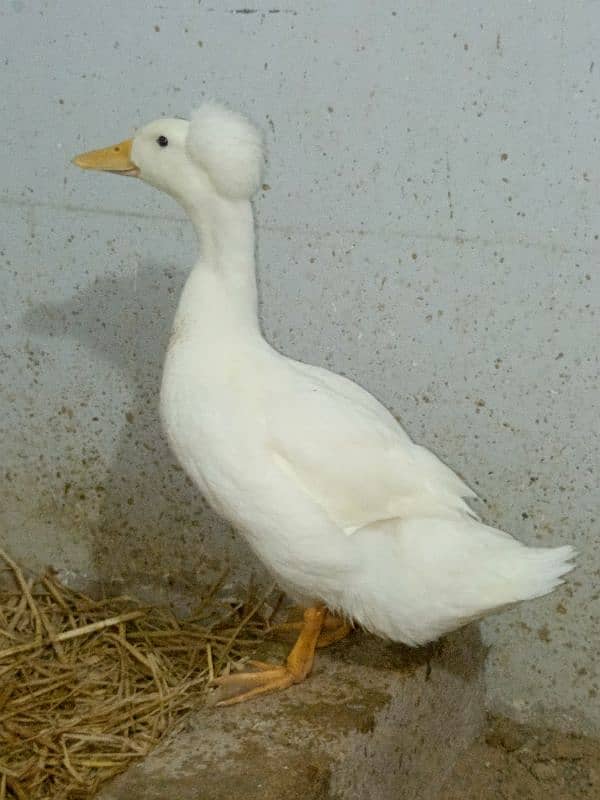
{"x":325,"y":485}
{"x":328,"y":489}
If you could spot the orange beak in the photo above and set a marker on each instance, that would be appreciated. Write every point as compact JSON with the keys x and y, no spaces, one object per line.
{"x":116,"y":158}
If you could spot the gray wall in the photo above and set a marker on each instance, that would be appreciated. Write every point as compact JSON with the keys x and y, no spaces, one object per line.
{"x":431,"y":230}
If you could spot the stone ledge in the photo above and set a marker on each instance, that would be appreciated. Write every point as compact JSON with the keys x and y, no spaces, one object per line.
{"x":375,"y":721}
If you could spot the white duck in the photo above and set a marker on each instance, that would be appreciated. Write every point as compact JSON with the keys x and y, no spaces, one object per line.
{"x":350,"y":515}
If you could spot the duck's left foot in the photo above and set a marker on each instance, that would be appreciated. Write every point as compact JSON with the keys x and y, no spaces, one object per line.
{"x":265,"y":678}
{"x":335,"y":633}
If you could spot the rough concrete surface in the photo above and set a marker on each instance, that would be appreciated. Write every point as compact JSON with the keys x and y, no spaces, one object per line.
{"x":375,"y":721}
{"x":519,"y":762}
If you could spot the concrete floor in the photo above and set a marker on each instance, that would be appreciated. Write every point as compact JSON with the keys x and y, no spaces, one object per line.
{"x":518,"y":762}
{"x":375,"y":721}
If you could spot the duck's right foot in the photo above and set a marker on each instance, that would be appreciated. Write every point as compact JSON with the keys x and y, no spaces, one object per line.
{"x":334,"y":628}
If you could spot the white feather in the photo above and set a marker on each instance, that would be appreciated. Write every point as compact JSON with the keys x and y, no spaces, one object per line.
{"x":439,"y":574}
{"x":228,"y":147}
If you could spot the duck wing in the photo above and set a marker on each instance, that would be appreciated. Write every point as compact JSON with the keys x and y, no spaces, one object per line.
{"x":351,"y":455}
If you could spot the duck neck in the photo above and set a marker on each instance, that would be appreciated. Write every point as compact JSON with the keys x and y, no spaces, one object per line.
{"x":220,"y":296}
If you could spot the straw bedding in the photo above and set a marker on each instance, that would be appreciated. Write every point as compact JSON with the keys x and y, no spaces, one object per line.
{"x":87,"y":685}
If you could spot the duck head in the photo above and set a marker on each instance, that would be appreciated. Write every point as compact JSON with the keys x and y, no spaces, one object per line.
{"x":217,"y":152}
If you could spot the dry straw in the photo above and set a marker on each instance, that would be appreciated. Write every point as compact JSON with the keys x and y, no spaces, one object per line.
{"x":87,"y":686}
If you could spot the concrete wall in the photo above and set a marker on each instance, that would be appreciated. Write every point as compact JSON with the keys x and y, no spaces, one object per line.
{"x":431,"y":229}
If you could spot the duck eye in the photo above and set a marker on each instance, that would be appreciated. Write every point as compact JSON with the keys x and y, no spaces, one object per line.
{"x":162,"y":141}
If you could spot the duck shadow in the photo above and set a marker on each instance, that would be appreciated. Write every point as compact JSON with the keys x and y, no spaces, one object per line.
{"x":152,"y":533}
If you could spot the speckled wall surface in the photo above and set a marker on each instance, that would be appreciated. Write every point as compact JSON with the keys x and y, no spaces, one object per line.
{"x":430,"y":227}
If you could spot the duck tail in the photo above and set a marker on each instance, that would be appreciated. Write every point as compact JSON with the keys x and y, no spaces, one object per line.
{"x":538,"y":571}
{"x":443,"y":573}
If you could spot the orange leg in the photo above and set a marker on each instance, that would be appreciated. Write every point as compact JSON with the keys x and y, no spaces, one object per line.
{"x":334,"y":628}
{"x":340,"y":631}
{"x":242,"y":686}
